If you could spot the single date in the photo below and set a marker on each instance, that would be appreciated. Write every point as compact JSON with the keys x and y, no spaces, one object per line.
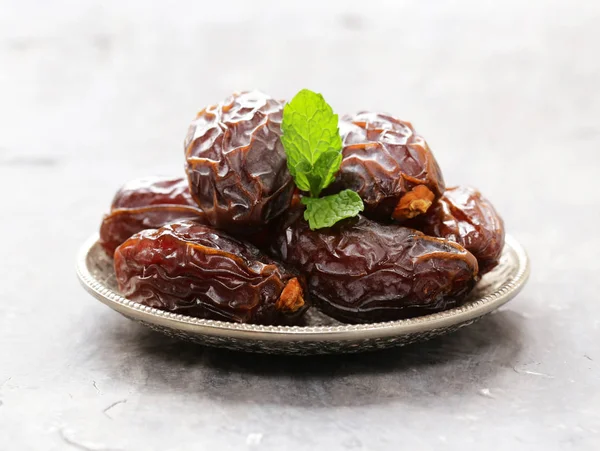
{"x":193,"y":269}
{"x":389,"y":166}
{"x":363,"y":271}
{"x":464,"y":216}
{"x":236,"y":164}
{"x":147,"y":203}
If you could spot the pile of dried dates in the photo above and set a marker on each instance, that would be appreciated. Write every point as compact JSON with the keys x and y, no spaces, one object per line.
{"x":285,"y":207}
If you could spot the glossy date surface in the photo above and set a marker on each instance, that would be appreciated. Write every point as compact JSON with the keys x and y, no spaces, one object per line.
{"x":120,"y":224}
{"x":236,"y":164}
{"x":146,"y":203}
{"x":193,"y":269}
{"x":389,"y":165}
{"x":464,"y":216}
{"x":363,"y":271}
{"x":148,"y":191}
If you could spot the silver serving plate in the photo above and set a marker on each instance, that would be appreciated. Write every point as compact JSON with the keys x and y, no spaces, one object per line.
{"x":321,"y":335}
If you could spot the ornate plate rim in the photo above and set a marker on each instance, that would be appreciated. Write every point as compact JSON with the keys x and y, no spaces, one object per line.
{"x":352,"y":332}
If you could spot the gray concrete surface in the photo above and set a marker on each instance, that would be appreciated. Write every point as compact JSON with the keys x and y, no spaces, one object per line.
{"x":95,"y":93}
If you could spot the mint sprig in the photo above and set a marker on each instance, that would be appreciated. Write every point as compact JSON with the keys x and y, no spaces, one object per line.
{"x":326,"y":211}
{"x":313,"y":145}
{"x":312,"y":141}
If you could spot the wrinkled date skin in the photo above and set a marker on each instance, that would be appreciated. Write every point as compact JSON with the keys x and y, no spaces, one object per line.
{"x":153,"y":191}
{"x":236,"y":164}
{"x":389,"y":166}
{"x":147,"y":203}
{"x":195,"y":270}
{"x":122,"y":223}
{"x":464,"y":216}
{"x":363,"y":271}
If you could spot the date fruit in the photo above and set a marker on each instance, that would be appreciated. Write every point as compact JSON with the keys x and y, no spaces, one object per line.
{"x":120,"y":224}
{"x":146,"y":203}
{"x":464,"y":216}
{"x":363,"y":271}
{"x":193,"y":269}
{"x":389,"y":166}
{"x":236,"y":164}
{"x":153,"y":191}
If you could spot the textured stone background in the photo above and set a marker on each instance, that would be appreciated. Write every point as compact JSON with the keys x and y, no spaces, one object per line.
{"x":94,"y":93}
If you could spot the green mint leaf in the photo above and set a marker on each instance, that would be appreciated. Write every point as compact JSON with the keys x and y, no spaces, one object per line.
{"x":312,"y":141}
{"x":301,"y":175}
{"x":326,"y":211}
{"x":327,"y":166}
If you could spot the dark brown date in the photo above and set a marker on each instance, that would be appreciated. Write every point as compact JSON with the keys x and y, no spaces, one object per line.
{"x":464,"y":216}
{"x":236,"y":164}
{"x":147,"y":203}
{"x":363,"y":271}
{"x":120,"y":224}
{"x":389,"y":166}
{"x":153,"y":191}
{"x":196,"y":270}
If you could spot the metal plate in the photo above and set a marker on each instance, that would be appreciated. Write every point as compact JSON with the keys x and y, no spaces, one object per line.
{"x":321,"y":335}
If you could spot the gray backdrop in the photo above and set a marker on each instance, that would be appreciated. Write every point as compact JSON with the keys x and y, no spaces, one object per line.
{"x":95,"y":93}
